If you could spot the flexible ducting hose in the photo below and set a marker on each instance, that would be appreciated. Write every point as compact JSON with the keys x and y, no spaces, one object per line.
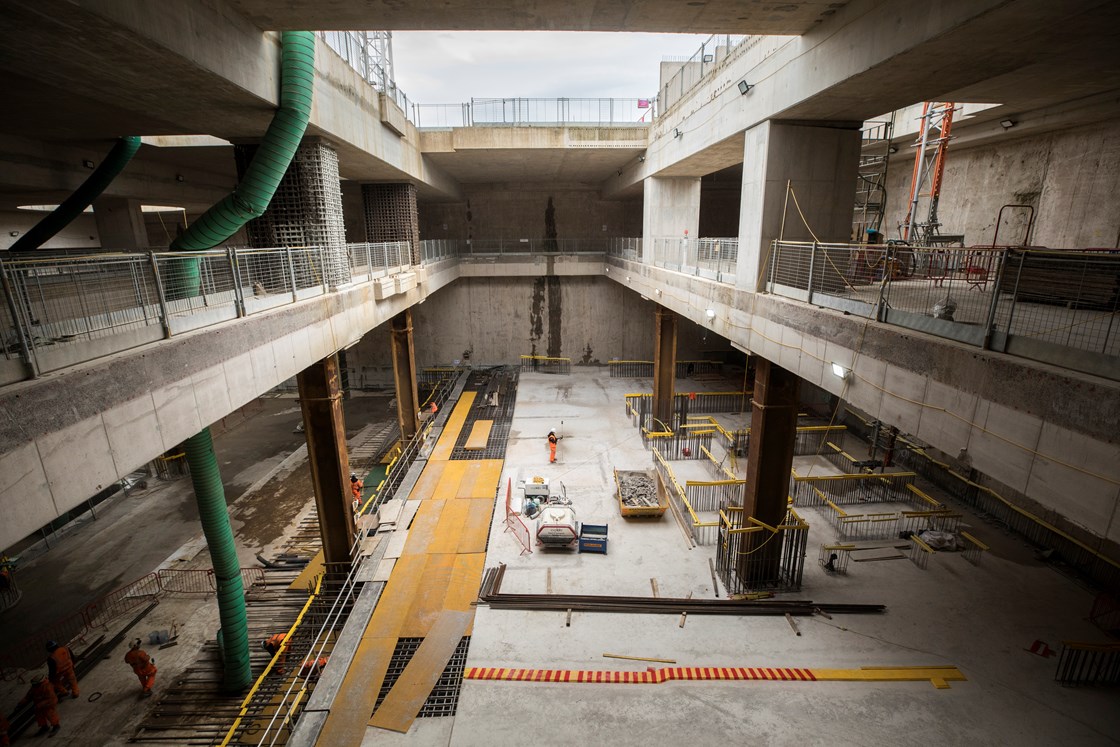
{"x":82,"y":198}
{"x":247,"y":201}
{"x":214,"y":514}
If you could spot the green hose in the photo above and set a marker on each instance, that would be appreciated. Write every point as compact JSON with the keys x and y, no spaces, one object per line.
{"x":181,"y":278}
{"x":214,"y":515}
{"x":82,"y":198}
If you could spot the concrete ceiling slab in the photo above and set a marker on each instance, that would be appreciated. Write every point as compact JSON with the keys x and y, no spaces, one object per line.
{"x":665,"y":16}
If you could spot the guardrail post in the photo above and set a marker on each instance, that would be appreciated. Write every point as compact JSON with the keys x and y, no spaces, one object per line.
{"x":238,"y":291}
{"x":991,"y":320}
{"x":812,"y":264}
{"x":1015,"y":291}
{"x":323,"y":268}
{"x":17,"y":320}
{"x":291,"y":272}
{"x":773,"y":264}
{"x":164,"y":315}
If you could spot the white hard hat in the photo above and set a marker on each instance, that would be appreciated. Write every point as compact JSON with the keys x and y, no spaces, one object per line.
{"x":551,"y":430}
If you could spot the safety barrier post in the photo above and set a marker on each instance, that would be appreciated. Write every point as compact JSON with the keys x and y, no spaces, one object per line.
{"x":164,"y":315}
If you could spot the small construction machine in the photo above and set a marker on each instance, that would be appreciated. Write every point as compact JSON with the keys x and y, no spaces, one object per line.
{"x":557,"y":526}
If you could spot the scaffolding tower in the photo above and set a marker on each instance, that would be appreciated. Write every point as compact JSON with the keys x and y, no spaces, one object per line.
{"x":929,"y":167}
{"x":871,"y":180}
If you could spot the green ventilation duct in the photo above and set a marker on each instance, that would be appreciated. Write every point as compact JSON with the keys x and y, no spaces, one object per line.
{"x":247,"y":201}
{"x":82,"y":198}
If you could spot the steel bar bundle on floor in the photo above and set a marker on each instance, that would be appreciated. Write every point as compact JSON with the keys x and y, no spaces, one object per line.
{"x":491,"y":583}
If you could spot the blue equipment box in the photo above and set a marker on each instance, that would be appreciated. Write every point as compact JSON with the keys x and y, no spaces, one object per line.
{"x":593,"y":538}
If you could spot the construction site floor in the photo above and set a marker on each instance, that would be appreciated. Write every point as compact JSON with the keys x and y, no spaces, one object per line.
{"x":981,"y":619}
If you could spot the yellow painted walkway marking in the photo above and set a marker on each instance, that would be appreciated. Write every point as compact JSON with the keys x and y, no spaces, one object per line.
{"x":480,"y":434}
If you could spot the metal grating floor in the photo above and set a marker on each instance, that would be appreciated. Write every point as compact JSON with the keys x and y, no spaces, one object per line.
{"x":503,"y":379}
{"x":444,"y":698}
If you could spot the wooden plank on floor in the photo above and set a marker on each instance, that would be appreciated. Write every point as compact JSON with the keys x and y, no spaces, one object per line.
{"x":449,"y":530}
{"x":884,"y":553}
{"x":450,"y":435}
{"x":466,"y":487}
{"x":479,"y":436}
{"x":347,"y":721}
{"x":306,"y":577}
{"x":428,"y":595}
{"x":423,"y":528}
{"x":487,"y":483}
{"x":404,"y":701}
{"x":476,"y":527}
{"x":448,"y":485}
{"x":429,"y":478}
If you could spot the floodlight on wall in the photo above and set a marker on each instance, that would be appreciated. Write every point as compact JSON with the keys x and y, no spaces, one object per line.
{"x":744,"y":86}
{"x":641,"y":159}
{"x":677,"y":132}
{"x":892,"y":149}
{"x":840,"y":371}
{"x":710,"y":312}
{"x":709,"y":57}
{"x":87,"y":163}
{"x":1007,"y":124}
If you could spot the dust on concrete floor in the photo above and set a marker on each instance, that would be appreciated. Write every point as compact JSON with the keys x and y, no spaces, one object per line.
{"x":980,"y":619}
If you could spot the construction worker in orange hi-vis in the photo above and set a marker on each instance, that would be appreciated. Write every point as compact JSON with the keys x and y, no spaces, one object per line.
{"x":46,"y":704}
{"x":434,"y":408}
{"x":552,"y":439}
{"x":60,"y":665}
{"x":356,"y":490}
{"x":143,"y":666}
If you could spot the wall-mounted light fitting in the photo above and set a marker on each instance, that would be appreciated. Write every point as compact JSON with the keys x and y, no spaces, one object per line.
{"x":892,"y":149}
{"x":658,"y":291}
{"x":13,"y":234}
{"x":744,"y":86}
{"x":710,"y":312}
{"x":180,"y":178}
{"x":87,"y":163}
{"x":1007,"y":124}
{"x":641,"y":159}
{"x":677,"y":132}
{"x":840,"y":371}
{"x":627,"y":278}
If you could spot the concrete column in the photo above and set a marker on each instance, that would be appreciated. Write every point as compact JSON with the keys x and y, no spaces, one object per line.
{"x":120,"y":223}
{"x":773,"y":429}
{"x":391,"y":215}
{"x":404,"y":373}
{"x":664,"y":366}
{"x":820,"y":163}
{"x":306,"y":210}
{"x":670,"y":209}
{"x":320,"y":397}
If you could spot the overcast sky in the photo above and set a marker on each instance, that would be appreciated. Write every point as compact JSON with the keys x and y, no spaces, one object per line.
{"x":439,"y":67}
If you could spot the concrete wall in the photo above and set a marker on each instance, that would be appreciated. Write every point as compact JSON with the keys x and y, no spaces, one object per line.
{"x":80,"y":234}
{"x":1067,"y":175}
{"x":521,"y":211}
{"x":1047,"y":434}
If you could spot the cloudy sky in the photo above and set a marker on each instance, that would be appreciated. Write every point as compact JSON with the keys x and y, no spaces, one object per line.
{"x":451,"y":67}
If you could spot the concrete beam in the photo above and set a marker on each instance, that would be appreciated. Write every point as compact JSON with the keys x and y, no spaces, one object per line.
{"x":874,"y":56}
{"x":68,"y":435}
{"x":1047,"y":433}
{"x":666,"y":16}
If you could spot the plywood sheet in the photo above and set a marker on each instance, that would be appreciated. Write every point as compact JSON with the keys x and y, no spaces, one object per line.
{"x":446,"y":442}
{"x":449,"y":530}
{"x":476,"y":527}
{"x":306,"y":578}
{"x":404,"y":701}
{"x":395,"y":548}
{"x":429,"y":478}
{"x":479,"y":436}
{"x":423,"y":528}
{"x":448,"y":485}
{"x":428,"y":594}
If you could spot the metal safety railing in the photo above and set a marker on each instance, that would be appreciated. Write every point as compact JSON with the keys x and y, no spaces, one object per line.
{"x":1054,"y":306}
{"x":701,"y":525}
{"x":814,"y":490}
{"x":644,"y":369}
{"x":1088,"y":664}
{"x":60,"y":311}
{"x":752,"y":555}
{"x":96,"y":615}
{"x":527,"y":112}
{"x":546,"y":364}
{"x":715,"y":259}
